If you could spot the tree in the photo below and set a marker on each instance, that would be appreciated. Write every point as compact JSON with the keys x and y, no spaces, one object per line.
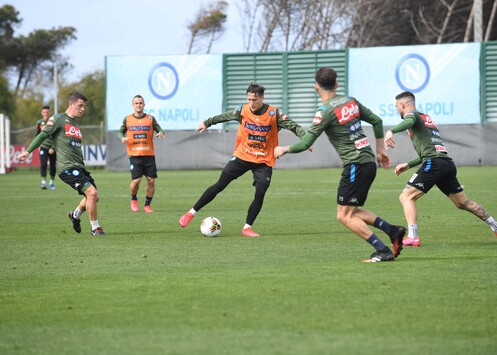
{"x":207,"y":27}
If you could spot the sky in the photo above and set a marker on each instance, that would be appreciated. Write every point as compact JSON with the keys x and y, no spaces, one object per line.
{"x":121,"y":27}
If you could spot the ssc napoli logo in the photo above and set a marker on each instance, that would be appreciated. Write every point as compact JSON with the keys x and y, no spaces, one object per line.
{"x":163,"y":81}
{"x":412,"y":73}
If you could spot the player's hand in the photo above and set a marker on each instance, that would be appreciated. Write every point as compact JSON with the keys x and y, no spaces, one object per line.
{"x":160,"y":135}
{"x":280,"y":151}
{"x":23,"y":156}
{"x":389,"y":142}
{"x":201,"y":127}
{"x":51,"y":151}
{"x":383,"y":159}
{"x":125,"y":140}
{"x":399,"y":169}
{"x":311,"y":149}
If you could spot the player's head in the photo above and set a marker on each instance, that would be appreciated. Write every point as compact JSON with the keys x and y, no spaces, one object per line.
{"x":326,"y":79}
{"x":255,"y":96}
{"x":45,"y":112}
{"x":138,"y":104}
{"x":405,"y":102}
{"x":76,"y":103}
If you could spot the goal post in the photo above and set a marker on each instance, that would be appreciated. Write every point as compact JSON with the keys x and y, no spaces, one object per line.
{"x":4,"y":144}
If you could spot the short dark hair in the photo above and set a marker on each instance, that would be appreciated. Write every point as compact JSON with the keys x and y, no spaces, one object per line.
{"x":406,"y":95}
{"x":326,"y":78}
{"x":46,"y":107}
{"x":256,"y":89}
{"x":75,"y":96}
{"x":137,"y":97}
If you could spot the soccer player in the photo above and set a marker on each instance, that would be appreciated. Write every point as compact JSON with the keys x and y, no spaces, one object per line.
{"x":437,"y":167}
{"x":257,"y":136}
{"x":136,"y":132}
{"x":67,"y":137}
{"x":47,"y":152}
{"x":340,"y":118}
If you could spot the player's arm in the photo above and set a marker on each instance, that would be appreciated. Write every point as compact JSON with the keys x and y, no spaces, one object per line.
{"x":406,"y":123}
{"x":34,"y":144}
{"x":287,"y":123}
{"x":304,"y":144}
{"x":234,"y":115}
{"x":158,"y":129}
{"x":122,"y":132}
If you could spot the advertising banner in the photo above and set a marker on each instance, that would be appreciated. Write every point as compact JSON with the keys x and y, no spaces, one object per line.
{"x":179,"y":91}
{"x":93,"y":154}
{"x":444,"y":78}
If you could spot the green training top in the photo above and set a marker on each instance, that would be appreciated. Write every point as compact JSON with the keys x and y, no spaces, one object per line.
{"x":48,"y":142}
{"x":425,"y":137}
{"x":283,"y":120}
{"x":340,"y":119}
{"x":67,"y":140}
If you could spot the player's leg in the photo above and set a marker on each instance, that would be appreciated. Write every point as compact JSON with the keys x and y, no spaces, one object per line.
{"x":150,"y":194}
{"x":352,"y":192}
{"x":92,"y":198}
{"x":262,"y":178}
{"x":150,"y":174}
{"x":453,"y":189}
{"x":408,"y":198}
{"x":52,"y":158}
{"x":231,"y":171}
{"x":136,"y":169}
{"x":43,"y":167}
{"x":462,"y":202}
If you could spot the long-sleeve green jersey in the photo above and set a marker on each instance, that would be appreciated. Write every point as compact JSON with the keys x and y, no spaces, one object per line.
{"x":340,"y":118}
{"x":283,"y":120}
{"x":48,"y":142}
{"x":67,"y":140}
{"x":425,"y":137}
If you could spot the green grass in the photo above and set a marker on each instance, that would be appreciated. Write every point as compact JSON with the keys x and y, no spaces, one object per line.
{"x":151,"y":287}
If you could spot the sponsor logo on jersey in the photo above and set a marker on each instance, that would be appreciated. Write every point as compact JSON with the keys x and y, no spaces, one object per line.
{"x":318,"y":118}
{"x":75,"y":143}
{"x":73,"y":131}
{"x":254,"y":137}
{"x":140,"y":136}
{"x":263,"y":154}
{"x":254,"y":127}
{"x":256,"y":145}
{"x":50,"y":121}
{"x":428,"y":121}
{"x":140,"y":148}
{"x":140,"y":142}
{"x":139,"y":128}
{"x":361,"y":143}
{"x":440,"y":148}
{"x":355,"y":127}
{"x":347,"y":112}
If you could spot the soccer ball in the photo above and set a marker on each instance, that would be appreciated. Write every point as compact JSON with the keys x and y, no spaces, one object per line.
{"x":211,"y":227}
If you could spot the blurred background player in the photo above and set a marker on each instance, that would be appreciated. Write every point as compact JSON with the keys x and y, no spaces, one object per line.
{"x":257,"y":136}
{"x":137,"y":132}
{"x":437,"y":167}
{"x":340,"y":119}
{"x":47,"y":151}
{"x":67,"y":137}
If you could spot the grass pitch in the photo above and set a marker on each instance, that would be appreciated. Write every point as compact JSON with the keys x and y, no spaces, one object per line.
{"x":151,"y":287}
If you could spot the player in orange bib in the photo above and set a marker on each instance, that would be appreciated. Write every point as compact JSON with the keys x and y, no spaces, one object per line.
{"x":137,"y":132}
{"x":256,"y":139}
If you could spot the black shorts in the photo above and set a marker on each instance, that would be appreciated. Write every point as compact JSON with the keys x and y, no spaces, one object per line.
{"x":236,"y":167}
{"x":142,"y":166}
{"x":436,"y":171}
{"x":355,"y":183}
{"x":78,"y":178}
